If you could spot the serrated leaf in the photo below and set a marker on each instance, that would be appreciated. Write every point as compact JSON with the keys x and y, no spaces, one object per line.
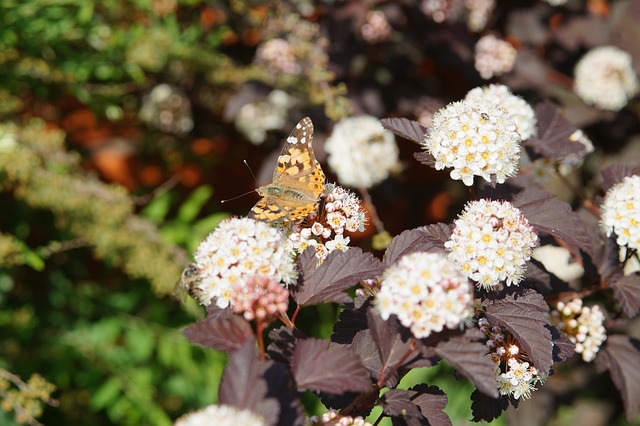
{"x":403,"y":127}
{"x":283,"y":342}
{"x":615,"y":173}
{"x":424,"y":239}
{"x":243,"y":384}
{"x":563,"y":347}
{"x":397,"y":403}
{"x":425,"y":158}
{"x":627,"y":290}
{"x":431,"y":401}
{"x":551,"y":216}
{"x":223,"y":331}
{"x":469,"y":358}
{"x":485,"y":408}
{"x":351,"y":320}
{"x":525,"y":317}
{"x":621,"y":356}
{"x":281,"y":387}
{"x":320,"y":366}
{"x":339,"y":272}
{"x":553,"y":133}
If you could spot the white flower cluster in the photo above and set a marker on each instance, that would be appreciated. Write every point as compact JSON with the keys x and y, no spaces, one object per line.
{"x":333,"y":418}
{"x":325,"y":231}
{"x":427,"y":293}
{"x":255,"y":119}
{"x":583,"y":325}
{"x":493,"y":56}
{"x":239,"y":249}
{"x":168,"y":109}
{"x":478,"y":13}
{"x":491,"y":242}
{"x":521,"y":112}
{"x":556,"y":2}
{"x":621,"y":212}
{"x":376,"y":27}
{"x":220,"y":415}
{"x":361,"y":151}
{"x":515,"y":375}
{"x":278,"y":56}
{"x":442,"y":10}
{"x":605,"y":78}
{"x":475,"y":137}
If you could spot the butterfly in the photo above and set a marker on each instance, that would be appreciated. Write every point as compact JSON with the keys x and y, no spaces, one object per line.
{"x":298,"y":180}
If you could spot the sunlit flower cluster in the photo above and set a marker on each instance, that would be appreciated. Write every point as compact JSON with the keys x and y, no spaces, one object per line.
{"x":278,"y":56}
{"x":583,"y":325}
{"x":376,"y":27}
{"x":621,"y":212}
{"x":478,"y":13}
{"x":260,"y":298}
{"x":605,"y":78}
{"x":220,"y":415}
{"x":362,"y":152}
{"x":475,"y":137}
{"x":556,"y":2}
{"x":442,"y":10}
{"x":491,"y":242}
{"x":237,"y":251}
{"x":521,"y":112}
{"x":333,"y":418}
{"x":493,"y":56}
{"x":558,"y":261}
{"x":515,"y":375}
{"x":168,"y":109}
{"x":324,"y":231}
{"x":427,"y":293}
{"x":255,"y":119}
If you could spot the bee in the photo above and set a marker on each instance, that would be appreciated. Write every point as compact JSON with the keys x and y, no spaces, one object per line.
{"x":188,"y":283}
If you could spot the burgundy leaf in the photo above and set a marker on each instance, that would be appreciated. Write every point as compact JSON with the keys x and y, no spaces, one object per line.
{"x":485,"y":408}
{"x":551,"y":216}
{"x":627,"y":290}
{"x":397,"y":403}
{"x":320,"y":366}
{"x":615,"y":173}
{"x":604,"y":253}
{"x":470,"y":360}
{"x":366,"y":348}
{"x":563,"y":347}
{"x":221,"y":331}
{"x":405,"y":128}
{"x":525,"y":317}
{"x":283,"y":342}
{"x":243,"y":384}
{"x":432,"y":402}
{"x":422,"y":239}
{"x":351,"y":320}
{"x":280,"y":387}
{"x":621,"y":356}
{"x":340,"y":271}
{"x":425,"y":158}
{"x":553,"y":133}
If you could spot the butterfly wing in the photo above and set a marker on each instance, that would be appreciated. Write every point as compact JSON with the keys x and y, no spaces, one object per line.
{"x":298,"y":180}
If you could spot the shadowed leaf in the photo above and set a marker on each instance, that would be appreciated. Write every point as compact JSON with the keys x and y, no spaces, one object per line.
{"x":627,"y":290}
{"x":563,"y":347}
{"x":525,"y":317}
{"x":621,"y":356}
{"x":553,"y":133}
{"x":425,"y":158}
{"x":485,"y":408}
{"x":223,"y":331}
{"x":405,"y":128}
{"x":397,"y":403}
{"x":615,"y":173}
{"x":424,"y":239}
{"x":549,"y":215}
{"x":320,"y":366}
{"x":339,"y":272}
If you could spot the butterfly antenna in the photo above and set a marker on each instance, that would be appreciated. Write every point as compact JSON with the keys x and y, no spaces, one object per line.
{"x":246,"y":193}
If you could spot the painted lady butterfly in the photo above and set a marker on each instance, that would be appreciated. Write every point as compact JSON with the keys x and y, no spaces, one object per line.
{"x":298,"y":180}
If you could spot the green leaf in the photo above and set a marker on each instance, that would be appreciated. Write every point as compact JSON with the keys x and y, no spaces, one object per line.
{"x":192,"y":206}
{"x":107,"y":393}
{"x":156,"y":211}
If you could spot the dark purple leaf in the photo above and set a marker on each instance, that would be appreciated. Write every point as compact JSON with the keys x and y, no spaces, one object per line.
{"x":425,"y":158}
{"x":485,"y":408}
{"x":621,"y":356}
{"x":364,"y":345}
{"x":405,"y":128}
{"x":243,"y":384}
{"x":351,"y":320}
{"x":222,"y":331}
{"x":432,"y":402}
{"x":470,"y":360}
{"x":525,"y":317}
{"x":340,"y":271}
{"x":553,"y":133}
{"x":320,"y":366}
{"x":424,"y":239}
{"x":280,"y":387}
{"x":397,"y":403}
{"x":627,"y":291}
{"x":604,"y":253}
{"x":283,"y":342}
{"x":563,"y":347}
{"x":615,"y":173}
{"x":549,"y":215}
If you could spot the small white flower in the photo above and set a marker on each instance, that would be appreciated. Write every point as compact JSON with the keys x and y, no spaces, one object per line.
{"x":255,"y":119}
{"x":494,"y":57}
{"x":220,"y":415}
{"x":426,"y":292}
{"x":621,"y":212}
{"x":584,"y":325}
{"x":362,"y":152}
{"x":605,"y":78}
